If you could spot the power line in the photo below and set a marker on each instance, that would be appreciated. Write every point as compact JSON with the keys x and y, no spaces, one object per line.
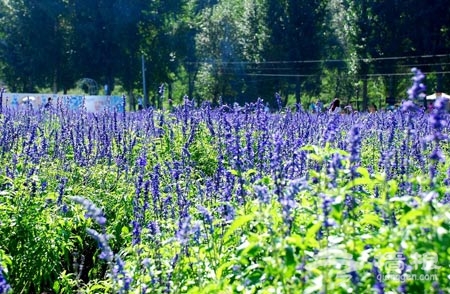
{"x":319,"y":60}
{"x":317,"y":75}
{"x":406,"y":74}
{"x":261,"y":70}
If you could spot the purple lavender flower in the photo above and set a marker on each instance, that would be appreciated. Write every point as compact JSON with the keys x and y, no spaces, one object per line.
{"x":227,"y":211}
{"x":408,"y":106}
{"x":2,"y":90}
{"x":155,"y":185}
{"x":354,"y":277}
{"x":437,"y":122}
{"x":142,"y":161}
{"x":121,"y":276}
{"x":136,"y":232}
{"x":153,"y":228}
{"x":92,"y":211}
{"x":196,"y":232}
{"x":331,"y":130}
{"x":437,"y":118}
{"x":417,"y":90}
{"x":288,"y":201}
{"x":184,"y":227}
{"x":207,"y":217}
{"x":102,"y":241}
{"x":437,"y":155}
{"x":262,"y":193}
{"x":4,"y":286}
{"x":61,"y":187}
{"x":437,"y":288}
{"x":44,"y":185}
{"x":378,"y":285}
{"x":354,"y":143}
{"x":326,"y":210}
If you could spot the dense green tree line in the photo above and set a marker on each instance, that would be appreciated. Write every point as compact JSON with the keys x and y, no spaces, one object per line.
{"x":225,"y":50}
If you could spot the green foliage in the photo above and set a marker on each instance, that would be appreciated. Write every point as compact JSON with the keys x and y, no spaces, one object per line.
{"x":237,"y":50}
{"x":323,"y":232}
{"x":312,"y":257}
{"x":37,"y":235}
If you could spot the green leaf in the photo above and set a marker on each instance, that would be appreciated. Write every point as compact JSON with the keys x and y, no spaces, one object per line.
{"x":236,"y":224}
{"x":97,"y":287}
{"x":221,"y":268}
{"x":393,"y":187}
{"x":195,"y":289}
{"x":252,"y":250}
{"x":360,"y":182}
{"x":308,"y":148}
{"x":371,"y":219}
{"x":289,"y":257}
{"x":234,"y":172}
{"x":125,"y":231}
{"x":311,"y":235}
{"x":411,"y":216}
{"x":364,"y":172}
{"x":255,"y":277}
{"x":315,"y":157}
{"x":251,"y":172}
{"x":296,"y":240}
{"x":56,"y":287}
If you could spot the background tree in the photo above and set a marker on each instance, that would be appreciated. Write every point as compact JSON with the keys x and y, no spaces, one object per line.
{"x":296,"y":28}
{"x":228,"y":50}
{"x":128,"y":21}
{"x":33,"y":43}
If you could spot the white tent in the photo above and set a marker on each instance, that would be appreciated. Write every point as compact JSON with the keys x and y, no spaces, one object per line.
{"x":437,"y":95}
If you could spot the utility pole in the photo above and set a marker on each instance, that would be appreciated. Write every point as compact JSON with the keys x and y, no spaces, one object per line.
{"x":2,"y":90}
{"x":144,"y":85}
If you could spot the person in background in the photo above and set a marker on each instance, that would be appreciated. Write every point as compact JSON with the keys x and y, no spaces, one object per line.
{"x":48,"y":104}
{"x":348,"y":109}
{"x":319,"y":106}
{"x":335,"y":106}
{"x":372,"y":108}
{"x":140,"y":103}
{"x":313,"y":107}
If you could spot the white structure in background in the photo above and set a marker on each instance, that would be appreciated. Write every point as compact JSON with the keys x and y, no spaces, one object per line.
{"x":92,"y":103}
{"x":438,"y":95}
{"x":431,"y":98}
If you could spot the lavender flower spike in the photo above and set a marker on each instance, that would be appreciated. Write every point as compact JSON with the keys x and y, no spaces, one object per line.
{"x":417,"y":90}
{"x":92,"y":211}
{"x":102,"y":241}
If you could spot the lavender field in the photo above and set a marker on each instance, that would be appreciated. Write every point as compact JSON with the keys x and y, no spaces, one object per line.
{"x":224,"y":200}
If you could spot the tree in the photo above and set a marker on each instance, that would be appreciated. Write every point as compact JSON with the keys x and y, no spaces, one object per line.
{"x":219,"y":52}
{"x":296,"y":39}
{"x":160,"y":31}
{"x":33,"y":43}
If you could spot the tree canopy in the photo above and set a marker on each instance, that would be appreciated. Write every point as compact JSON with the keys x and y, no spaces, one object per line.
{"x":226,"y":50}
